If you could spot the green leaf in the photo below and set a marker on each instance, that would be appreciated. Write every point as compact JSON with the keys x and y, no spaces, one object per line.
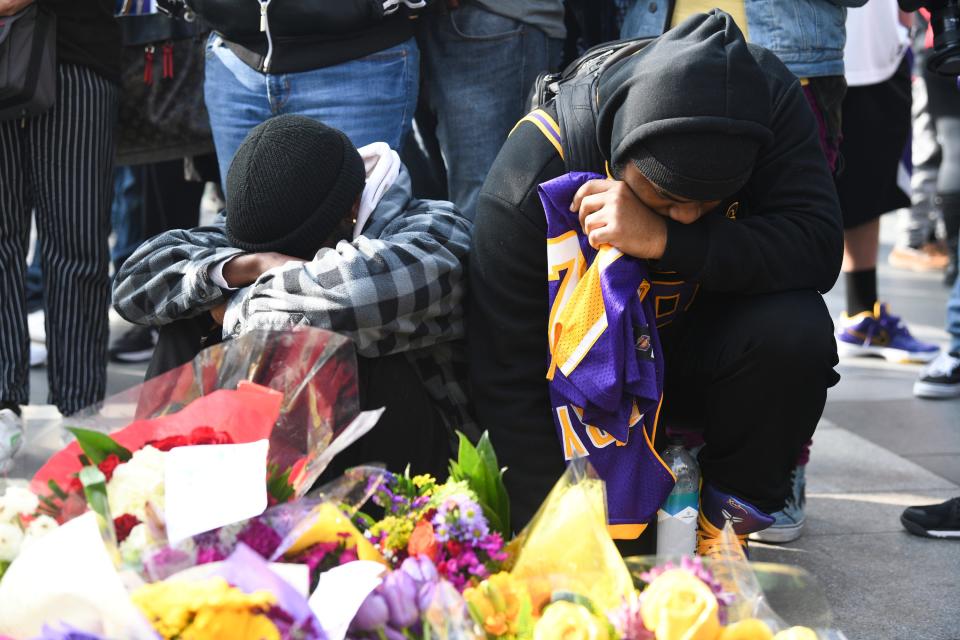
{"x":55,"y":488}
{"x":478,"y":467}
{"x":278,"y":484}
{"x":98,"y":446}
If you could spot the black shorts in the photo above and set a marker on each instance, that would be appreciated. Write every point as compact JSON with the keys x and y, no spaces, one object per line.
{"x":876,"y":131}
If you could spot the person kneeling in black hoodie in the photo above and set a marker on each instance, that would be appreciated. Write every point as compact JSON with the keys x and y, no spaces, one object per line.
{"x":720,"y":185}
{"x":318,"y":233}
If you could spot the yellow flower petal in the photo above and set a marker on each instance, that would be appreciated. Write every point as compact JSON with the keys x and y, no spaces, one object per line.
{"x":749,"y":629}
{"x":796,"y":633}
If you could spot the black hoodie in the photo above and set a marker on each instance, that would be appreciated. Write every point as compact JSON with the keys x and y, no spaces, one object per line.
{"x":786,"y":235}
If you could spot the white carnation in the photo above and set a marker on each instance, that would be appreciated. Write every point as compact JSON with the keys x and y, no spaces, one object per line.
{"x":38,"y":528}
{"x":17,"y":501}
{"x":132,"y":548}
{"x":137,"y":482}
{"x":11,"y":537}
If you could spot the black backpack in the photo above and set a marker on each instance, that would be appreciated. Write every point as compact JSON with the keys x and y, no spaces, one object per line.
{"x":574,"y":91}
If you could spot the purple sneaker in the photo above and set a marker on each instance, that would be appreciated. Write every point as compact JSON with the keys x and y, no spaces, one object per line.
{"x":716,"y":509}
{"x":882,"y":334}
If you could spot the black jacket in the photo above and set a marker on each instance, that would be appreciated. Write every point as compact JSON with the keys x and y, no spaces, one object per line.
{"x":87,"y":35}
{"x":787,"y":235}
{"x":305,"y":34}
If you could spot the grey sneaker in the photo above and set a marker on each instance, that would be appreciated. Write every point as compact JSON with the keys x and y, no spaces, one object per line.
{"x":11,"y":438}
{"x":788,"y":523}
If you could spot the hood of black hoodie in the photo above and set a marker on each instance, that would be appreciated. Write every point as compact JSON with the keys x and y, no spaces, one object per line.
{"x":699,"y":77}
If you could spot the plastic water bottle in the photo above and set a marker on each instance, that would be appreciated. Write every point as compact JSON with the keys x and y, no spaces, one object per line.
{"x":677,"y":517}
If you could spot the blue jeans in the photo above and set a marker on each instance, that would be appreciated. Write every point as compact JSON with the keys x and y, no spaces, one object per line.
{"x":953,"y":317}
{"x":478,"y":70}
{"x":126,"y":214}
{"x":371,"y":99}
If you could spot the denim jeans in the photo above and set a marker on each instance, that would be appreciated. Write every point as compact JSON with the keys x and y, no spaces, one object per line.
{"x":371,"y":99}
{"x":953,"y":317}
{"x":126,"y":214}
{"x":478,"y":70}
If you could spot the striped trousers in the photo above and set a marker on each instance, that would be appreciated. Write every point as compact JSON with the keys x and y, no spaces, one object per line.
{"x":61,"y":164}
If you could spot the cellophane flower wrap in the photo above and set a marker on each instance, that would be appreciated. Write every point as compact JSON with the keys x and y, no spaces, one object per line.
{"x":311,"y":371}
{"x":566,"y":547}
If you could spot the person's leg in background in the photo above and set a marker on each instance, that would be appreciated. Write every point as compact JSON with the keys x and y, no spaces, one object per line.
{"x":126,"y":214}
{"x":942,"y":378}
{"x":473,"y":57}
{"x":73,"y":165}
{"x":944,"y":97}
{"x":370,"y":99}
{"x":916,"y":247}
{"x":725,"y":365}
{"x":15,"y":205}
{"x":867,"y":187}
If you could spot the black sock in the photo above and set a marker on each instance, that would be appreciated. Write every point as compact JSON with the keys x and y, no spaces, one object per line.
{"x":13,"y":406}
{"x":861,"y":290}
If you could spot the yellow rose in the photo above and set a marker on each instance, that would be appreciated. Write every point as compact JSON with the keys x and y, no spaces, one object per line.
{"x":679,"y":606}
{"x":564,"y":620}
{"x":749,"y":629}
{"x":796,"y":633}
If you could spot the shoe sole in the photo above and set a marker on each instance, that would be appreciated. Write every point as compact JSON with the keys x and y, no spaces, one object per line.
{"x":935,"y":390}
{"x":779,"y":535}
{"x":917,"y":530}
{"x":887,"y":353}
{"x":132,"y":356}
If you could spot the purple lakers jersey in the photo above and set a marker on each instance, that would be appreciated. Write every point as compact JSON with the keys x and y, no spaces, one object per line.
{"x":605,"y":367}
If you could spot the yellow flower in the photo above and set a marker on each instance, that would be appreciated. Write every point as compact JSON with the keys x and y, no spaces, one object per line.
{"x":565,"y":620}
{"x":679,"y":606}
{"x":206,"y":609}
{"x":796,"y":633}
{"x":497,"y":603}
{"x":749,"y":629}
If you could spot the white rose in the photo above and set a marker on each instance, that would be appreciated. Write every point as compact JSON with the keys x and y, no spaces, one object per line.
{"x":40,"y":527}
{"x":17,"y":501}
{"x":10,"y":539}
{"x":137,"y":482}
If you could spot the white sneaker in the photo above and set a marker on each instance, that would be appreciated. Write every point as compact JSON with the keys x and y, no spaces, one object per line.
{"x":36,"y":326}
{"x":11,"y":438}
{"x":38,"y":354}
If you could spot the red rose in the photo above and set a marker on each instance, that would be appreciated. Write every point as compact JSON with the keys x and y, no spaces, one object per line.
{"x":124,"y":525}
{"x":111,"y":462}
{"x":75,"y":486}
{"x":207,"y":435}
{"x":171,"y":442}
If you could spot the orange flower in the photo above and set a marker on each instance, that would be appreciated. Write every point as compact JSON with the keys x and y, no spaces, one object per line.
{"x":423,"y":542}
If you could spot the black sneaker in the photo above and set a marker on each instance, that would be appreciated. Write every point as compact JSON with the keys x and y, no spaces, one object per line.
{"x":935,"y":520}
{"x":136,"y":345}
{"x":941,"y":379}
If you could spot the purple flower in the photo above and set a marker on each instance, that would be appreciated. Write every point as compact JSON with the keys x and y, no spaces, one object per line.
{"x":421,"y":569}
{"x":372,"y":615}
{"x":628,"y":622}
{"x":460,"y":518}
{"x":400,"y":592}
{"x":65,"y":632}
{"x":260,"y":537}
{"x":206,"y":555}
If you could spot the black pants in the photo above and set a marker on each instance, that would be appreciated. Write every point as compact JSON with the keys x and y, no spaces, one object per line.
{"x":409,"y":432}
{"x":752,"y":372}
{"x":61,"y":163}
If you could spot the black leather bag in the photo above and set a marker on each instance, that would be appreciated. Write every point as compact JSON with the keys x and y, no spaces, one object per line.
{"x":28,"y":63}
{"x":162,"y":113}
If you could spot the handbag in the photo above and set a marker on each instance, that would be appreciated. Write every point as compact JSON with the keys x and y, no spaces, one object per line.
{"x":28,"y":83}
{"x":162,"y":112}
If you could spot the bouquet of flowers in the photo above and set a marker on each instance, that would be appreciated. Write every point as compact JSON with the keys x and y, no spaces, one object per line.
{"x":299,"y":396}
{"x":21,"y":523}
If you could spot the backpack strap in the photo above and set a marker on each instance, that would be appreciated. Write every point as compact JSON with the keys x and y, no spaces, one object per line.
{"x":547,"y":126}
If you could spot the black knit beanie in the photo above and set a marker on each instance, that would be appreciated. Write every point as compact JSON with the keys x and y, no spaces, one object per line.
{"x":691,"y":110}
{"x":291,"y":183}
